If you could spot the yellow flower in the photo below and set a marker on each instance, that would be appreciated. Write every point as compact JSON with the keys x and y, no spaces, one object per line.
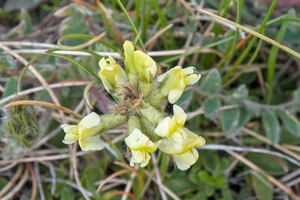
{"x":87,"y":132}
{"x":139,"y":62}
{"x":177,"y":140}
{"x":145,"y":65}
{"x":129,"y":58}
{"x":174,"y":82}
{"x":185,"y":160}
{"x":172,"y":127}
{"x":140,"y":147}
{"x":183,"y":152}
{"x":111,"y":74}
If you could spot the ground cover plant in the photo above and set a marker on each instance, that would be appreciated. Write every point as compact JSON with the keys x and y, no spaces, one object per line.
{"x":157,"y":99}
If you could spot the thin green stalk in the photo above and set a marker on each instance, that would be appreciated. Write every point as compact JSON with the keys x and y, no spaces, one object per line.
{"x":236,"y":36}
{"x":84,"y":36}
{"x":194,"y":51}
{"x":76,"y":63}
{"x":150,"y":176}
{"x":223,"y":7}
{"x":132,"y":25}
{"x":237,"y":75}
{"x":29,"y":63}
{"x":154,"y":29}
{"x":249,"y":47}
{"x":137,"y":5}
{"x":107,"y":24}
{"x":272,"y":60}
{"x":90,"y":52}
{"x":147,"y":19}
{"x":113,"y":146}
{"x":164,"y":22}
{"x":142,"y":20}
{"x":140,"y":182}
{"x":136,"y":38}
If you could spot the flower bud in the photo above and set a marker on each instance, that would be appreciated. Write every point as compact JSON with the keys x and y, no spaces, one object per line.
{"x":111,"y":74}
{"x":145,"y":66}
{"x":132,"y":72}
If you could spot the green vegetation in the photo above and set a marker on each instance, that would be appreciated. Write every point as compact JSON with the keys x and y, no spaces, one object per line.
{"x":246,"y":104}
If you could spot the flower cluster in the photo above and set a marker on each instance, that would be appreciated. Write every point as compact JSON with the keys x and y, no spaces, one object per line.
{"x":138,"y":90}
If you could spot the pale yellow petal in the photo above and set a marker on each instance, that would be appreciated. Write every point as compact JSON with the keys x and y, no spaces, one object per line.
{"x":178,"y":110}
{"x":138,"y":141}
{"x":191,"y":79}
{"x":90,"y":143}
{"x":161,"y":77}
{"x":107,"y":77}
{"x":70,"y":138}
{"x":188,"y":70}
{"x":167,"y":146}
{"x":164,"y":128}
{"x":102,"y":63}
{"x":145,"y":66}
{"x":178,"y":137}
{"x":171,"y":80}
{"x":186,"y":159}
{"x":141,"y":157}
{"x":89,"y":121}
{"x":174,"y":95}
{"x":95,"y":130}
{"x":179,"y":115}
{"x":129,"y":58}
{"x":111,"y":60}
{"x":120,"y":75}
{"x":69,"y":129}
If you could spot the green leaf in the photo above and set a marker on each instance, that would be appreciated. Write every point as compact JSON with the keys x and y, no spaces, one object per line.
{"x":209,"y":190}
{"x":11,"y":87}
{"x":211,"y":161}
{"x":219,"y":182}
{"x":267,"y":163}
{"x":226,"y":193}
{"x":179,"y":185}
{"x":239,"y":95}
{"x":3,"y":182}
{"x":67,"y":193}
{"x":212,"y":82}
{"x":297,"y":95}
{"x":185,"y":99}
{"x":235,"y":119}
{"x":65,"y":11}
{"x":210,"y":106}
{"x":90,"y":175}
{"x":73,"y":24}
{"x":262,"y":187}
{"x":26,"y":19}
{"x":290,"y":122}
{"x":273,"y":58}
{"x":204,"y":176}
{"x":230,"y":119}
{"x":5,"y":61}
{"x":245,"y":116}
{"x":271,"y":125}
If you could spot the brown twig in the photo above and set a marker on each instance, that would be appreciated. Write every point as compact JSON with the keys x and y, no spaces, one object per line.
{"x":18,"y":187}
{"x":34,"y":180}
{"x":118,"y":173}
{"x":13,"y":180}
